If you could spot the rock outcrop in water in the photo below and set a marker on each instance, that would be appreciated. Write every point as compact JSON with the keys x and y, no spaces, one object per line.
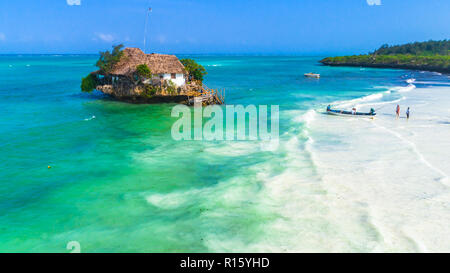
{"x":154,"y":92}
{"x":144,"y":78}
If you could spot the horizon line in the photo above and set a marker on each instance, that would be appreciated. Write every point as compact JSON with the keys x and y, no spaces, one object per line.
{"x":199,"y":54}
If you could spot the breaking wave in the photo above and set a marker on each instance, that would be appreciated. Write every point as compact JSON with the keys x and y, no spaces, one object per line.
{"x":385,"y":97}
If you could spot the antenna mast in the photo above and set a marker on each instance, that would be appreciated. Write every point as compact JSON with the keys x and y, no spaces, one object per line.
{"x":145,"y":31}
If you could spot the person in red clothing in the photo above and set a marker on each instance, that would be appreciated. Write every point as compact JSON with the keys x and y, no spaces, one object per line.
{"x":397,"y":111}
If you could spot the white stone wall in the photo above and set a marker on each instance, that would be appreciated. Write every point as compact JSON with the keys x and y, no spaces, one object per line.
{"x":179,"y":79}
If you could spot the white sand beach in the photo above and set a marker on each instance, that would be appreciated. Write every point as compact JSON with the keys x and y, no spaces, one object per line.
{"x":390,"y":176}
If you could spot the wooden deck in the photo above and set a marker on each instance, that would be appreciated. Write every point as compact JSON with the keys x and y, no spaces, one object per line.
{"x":207,"y":96}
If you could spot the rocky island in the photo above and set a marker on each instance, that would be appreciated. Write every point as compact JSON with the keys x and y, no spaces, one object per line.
{"x":130,"y":75}
{"x":426,"y":56}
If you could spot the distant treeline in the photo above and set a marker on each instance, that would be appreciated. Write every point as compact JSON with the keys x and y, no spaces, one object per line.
{"x":430,"y":56}
{"x":417,"y":48}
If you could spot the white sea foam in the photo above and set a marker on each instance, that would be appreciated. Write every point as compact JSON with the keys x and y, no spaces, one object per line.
{"x":356,"y":102}
{"x":91,"y":118}
{"x":408,"y":88}
{"x":375,"y":99}
{"x":378,"y":104}
{"x":168,"y":201}
{"x":307,"y":117}
{"x":431,"y":82}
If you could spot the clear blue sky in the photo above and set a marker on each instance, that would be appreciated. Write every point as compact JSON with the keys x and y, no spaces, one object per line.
{"x":213,"y":26}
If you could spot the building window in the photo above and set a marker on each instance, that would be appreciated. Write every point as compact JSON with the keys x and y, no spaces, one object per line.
{"x":173,"y":76}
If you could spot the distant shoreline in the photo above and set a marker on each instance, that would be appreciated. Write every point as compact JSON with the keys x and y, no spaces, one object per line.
{"x":392,"y":66}
{"x":433,"y":56}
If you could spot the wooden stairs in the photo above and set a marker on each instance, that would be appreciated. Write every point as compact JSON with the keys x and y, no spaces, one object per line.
{"x":207,"y":96}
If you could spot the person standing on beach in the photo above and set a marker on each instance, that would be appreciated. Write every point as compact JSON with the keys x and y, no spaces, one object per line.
{"x":407,"y":113}
{"x":397,"y":111}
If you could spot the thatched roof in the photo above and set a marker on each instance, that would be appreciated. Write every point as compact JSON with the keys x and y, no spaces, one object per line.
{"x":158,"y":63}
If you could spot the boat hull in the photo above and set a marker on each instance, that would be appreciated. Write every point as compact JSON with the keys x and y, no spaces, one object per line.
{"x":312,"y":75}
{"x":350,"y":114}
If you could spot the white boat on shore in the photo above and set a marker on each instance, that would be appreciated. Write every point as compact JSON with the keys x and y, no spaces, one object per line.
{"x":352,"y":113}
{"x":312,"y":75}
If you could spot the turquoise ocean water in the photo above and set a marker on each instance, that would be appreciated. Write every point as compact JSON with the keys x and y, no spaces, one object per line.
{"x":119,"y":183}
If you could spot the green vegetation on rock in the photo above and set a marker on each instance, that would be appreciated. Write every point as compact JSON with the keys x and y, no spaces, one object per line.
{"x":171,"y":87}
{"x":89,"y":83}
{"x":150,"y":90}
{"x":195,"y":70}
{"x":109,"y":59}
{"x":143,"y":71}
{"x":106,"y":61}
